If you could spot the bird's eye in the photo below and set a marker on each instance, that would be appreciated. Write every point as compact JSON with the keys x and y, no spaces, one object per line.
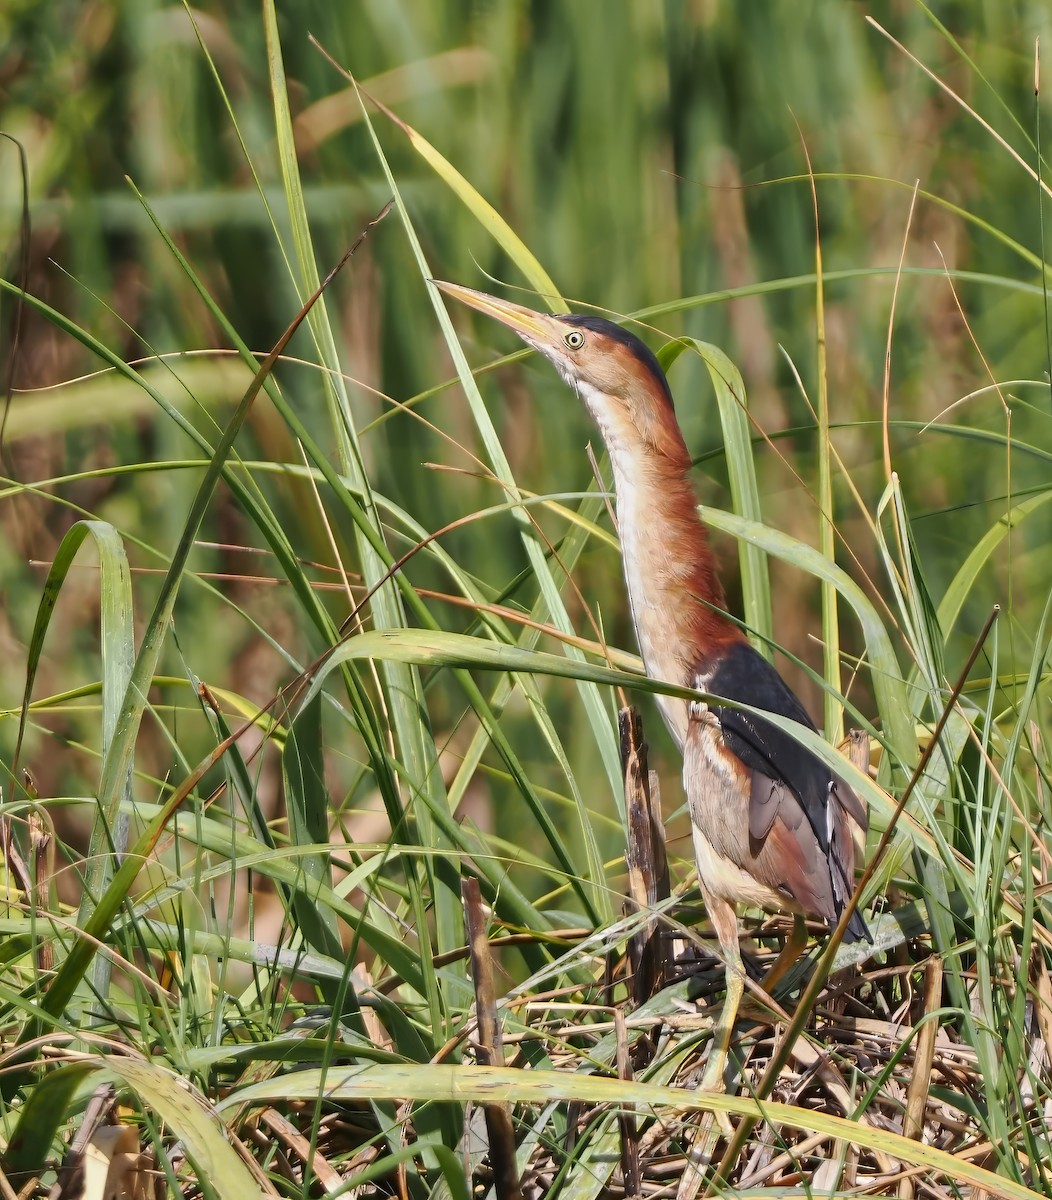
{"x":574,"y":339}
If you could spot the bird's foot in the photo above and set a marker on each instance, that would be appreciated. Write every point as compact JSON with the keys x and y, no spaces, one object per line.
{"x":723,"y":1123}
{"x":712,"y":1081}
{"x":702,"y":1154}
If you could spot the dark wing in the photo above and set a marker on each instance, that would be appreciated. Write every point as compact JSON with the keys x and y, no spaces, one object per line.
{"x":776,"y":759}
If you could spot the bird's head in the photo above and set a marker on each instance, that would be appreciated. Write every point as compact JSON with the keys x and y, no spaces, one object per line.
{"x":612,"y":370}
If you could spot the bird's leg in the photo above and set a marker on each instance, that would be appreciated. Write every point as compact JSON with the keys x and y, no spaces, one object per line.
{"x":790,"y":952}
{"x":725,"y":919}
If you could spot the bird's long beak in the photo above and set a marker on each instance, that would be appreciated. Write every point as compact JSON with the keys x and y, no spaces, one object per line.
{"x":533,"y":326}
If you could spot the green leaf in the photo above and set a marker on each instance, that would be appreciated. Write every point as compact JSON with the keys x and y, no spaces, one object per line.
{"x":109,"y":832}
{"x":403,"y":698}
{"x":888,"y":684}
{"x":486,"y":215}
{"x":492,"y":1085}
{"x":741,"y":472}
{"x":307,"y":803}
{"x":31,"y":1147}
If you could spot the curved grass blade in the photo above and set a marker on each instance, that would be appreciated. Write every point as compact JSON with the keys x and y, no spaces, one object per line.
{"x":440,"y":649}
{"x":602,"y":726}
{"x":118,"y":759}
{"x":495,"y":1085}
{"x":188,"y":1116}
{"x":960,"y":586}
{"x":483,"y":212}
{"x":741,"y":472}
{"x":38,"y":1120}
{"x":402,"y":694}
{"x":109,"y":831}
{"x":888,"y":684}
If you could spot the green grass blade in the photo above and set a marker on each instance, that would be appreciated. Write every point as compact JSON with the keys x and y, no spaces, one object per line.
{"x":598,"y":718}
{"x":960,"y":587}
{"x":486,"y":215}
{"x":38,"y":1120}
{"x":888,"y":684}
{"x":403,"y":698}
{"x":307,"y":802}
{"x":741,"y":472}
{"x":109,"y":831}
{"x":493,"y":1085}
{"x":439,"y":649}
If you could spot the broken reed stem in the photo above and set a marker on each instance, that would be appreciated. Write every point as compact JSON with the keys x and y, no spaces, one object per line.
{"x":630,"y":1165}
{"x":499,"y":1128}
{"x":645,"y":857}
{"x":923,"y":1058}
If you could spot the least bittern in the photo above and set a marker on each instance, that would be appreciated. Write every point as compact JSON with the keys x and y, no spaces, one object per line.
{"x":770,"y":821}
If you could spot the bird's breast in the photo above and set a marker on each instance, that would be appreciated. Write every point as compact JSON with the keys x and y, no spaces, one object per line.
{"x":660,"y":605}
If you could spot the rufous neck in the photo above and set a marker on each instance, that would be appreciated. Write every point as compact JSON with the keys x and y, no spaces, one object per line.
{"x":676,"y":597}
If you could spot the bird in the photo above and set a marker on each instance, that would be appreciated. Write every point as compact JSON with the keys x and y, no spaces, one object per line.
{"x":770,"y":822}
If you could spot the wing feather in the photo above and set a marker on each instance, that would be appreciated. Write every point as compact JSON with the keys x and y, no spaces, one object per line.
{"x":777,"y":760}
{"x":765,"y":800}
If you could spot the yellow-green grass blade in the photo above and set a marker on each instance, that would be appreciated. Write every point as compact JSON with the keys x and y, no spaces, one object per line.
{"x":492,"y":1085}
{"x":792,"y":283}
{"x":888,"y":684}
{"x":598,"y":718}
{"x":486,"y":215}
{"x":440,"y":649}
{"x":916,"y":611}
{"x":403,"y":697}
{"x":109,"y":399}
{"x":834,"y":713}
{"x":741,"y":473}
{"x":109,"y":829}
{"x":170,"y":1097}
{"x":960,"y":587}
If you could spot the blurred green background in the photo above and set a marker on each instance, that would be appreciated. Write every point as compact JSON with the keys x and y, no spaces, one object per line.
{"x":645,"y":152}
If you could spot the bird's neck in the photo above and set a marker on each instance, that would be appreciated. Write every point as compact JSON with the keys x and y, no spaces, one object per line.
{"x":676,"y":597}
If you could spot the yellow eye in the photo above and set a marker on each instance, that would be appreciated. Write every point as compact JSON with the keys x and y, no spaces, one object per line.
{"x":574,"y":339}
